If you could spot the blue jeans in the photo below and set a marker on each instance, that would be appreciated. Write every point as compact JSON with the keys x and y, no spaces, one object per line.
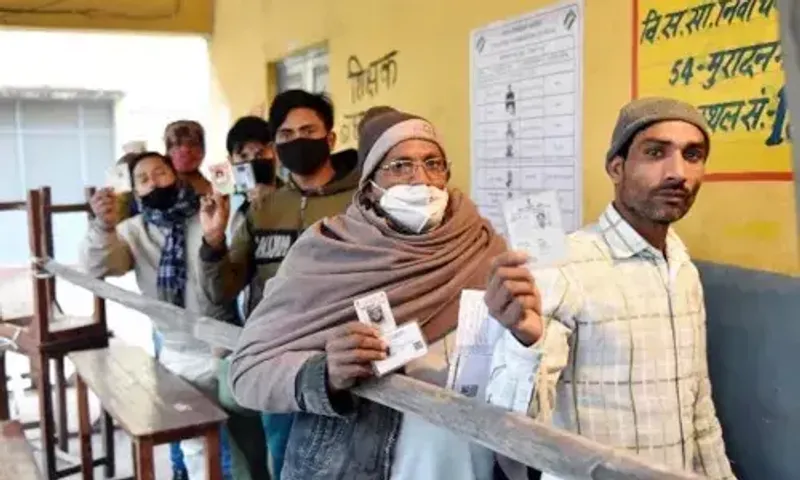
{"x":277,"y":426}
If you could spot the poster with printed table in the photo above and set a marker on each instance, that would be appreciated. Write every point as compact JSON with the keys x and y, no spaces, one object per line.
{"x":526,"y":110}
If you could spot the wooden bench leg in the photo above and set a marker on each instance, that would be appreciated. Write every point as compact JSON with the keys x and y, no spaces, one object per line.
{"x":61,"y":406}
{"x":46,"y":425}
{"x":5,"y":414}
{"x":110,"y":467}
{"x":143,"y":461}
{"x":213,"y":466}
{"x":84,"y":430}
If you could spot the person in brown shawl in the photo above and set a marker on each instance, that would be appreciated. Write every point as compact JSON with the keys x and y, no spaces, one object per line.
{"x":407,"y":234}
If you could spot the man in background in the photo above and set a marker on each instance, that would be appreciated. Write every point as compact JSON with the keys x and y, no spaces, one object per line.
{"x":320,"y":184}
{"x":185,"y":142}
{"x":250,"y":147}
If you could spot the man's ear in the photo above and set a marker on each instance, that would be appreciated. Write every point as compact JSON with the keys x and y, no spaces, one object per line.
{"x":615,"y":169}
{"x":332,"y":140}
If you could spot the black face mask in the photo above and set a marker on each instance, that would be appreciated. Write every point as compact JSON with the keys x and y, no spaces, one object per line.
{"x":304,"y":156}
{"x":161,"y":198}
{"x":263,"y":171}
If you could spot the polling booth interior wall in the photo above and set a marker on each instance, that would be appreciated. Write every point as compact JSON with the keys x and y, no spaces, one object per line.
{"x":724,"y":57}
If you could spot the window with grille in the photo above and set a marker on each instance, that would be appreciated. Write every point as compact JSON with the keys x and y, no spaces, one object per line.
{"x":65,"y":144}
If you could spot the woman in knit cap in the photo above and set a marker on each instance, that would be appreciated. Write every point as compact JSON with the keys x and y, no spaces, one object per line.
{"x":406,"y":234}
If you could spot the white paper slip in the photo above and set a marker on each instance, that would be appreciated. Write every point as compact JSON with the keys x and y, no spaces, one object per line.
{"x":118,"y":178}
{"x":243,"y":176}
{"x":136,"y":146}
{"x":477,"y":334}
{"x":477,"y":331}
{"x":512,"y":377}
{"x":406,"y":343}
{"x":534,"y":226}
{"x":471,"y":374}
{"x":221,"y":177}
{"x":375,"y":310}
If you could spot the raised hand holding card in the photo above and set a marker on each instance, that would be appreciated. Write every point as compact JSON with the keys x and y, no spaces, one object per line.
{"x":406,"y":342}
{"x":118,"y":178}
{"x":244,"y":177}
{"x":221,"y":177}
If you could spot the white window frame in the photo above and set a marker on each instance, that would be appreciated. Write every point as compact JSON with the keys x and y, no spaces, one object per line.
{"x":308,"y":65}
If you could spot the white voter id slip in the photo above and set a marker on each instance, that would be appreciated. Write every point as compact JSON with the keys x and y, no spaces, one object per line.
{"x":244,"y":178}
{"x":118,"y":178}
{"x":534,"y":227}
{"x":221,"y":177}
{"x":405,"y":343}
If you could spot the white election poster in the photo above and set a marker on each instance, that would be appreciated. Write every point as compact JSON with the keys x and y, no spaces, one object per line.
{"x":526,"y":110}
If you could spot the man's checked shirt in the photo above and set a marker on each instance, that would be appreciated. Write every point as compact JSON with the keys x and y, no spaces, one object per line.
{"x":623,"y":359}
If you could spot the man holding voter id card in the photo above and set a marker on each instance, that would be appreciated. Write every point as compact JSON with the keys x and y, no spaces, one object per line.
{"x":251,"y":152}
{"x":320,"y":184}
{"x":615,"y":328}
{"x":158,"y":245}
{"x":365,"y":293}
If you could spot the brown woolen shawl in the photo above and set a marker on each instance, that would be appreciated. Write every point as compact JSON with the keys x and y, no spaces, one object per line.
{"x":346,"y":257}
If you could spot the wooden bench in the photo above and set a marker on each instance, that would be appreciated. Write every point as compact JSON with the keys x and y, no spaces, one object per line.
{"x":153,"y":405}
{"x":47,"y":339}
{"x":16,"y":455}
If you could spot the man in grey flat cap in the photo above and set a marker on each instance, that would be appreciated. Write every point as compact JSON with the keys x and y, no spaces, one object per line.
{"x":616,"y":340}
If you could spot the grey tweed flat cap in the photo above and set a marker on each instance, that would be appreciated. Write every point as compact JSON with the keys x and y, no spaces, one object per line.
{"x":643,"y":112}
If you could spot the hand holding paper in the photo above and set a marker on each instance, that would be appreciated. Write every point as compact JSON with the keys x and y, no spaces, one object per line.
{"x":513,"y":298}
{"x":349,"y":351}
{"x":221,"y":177}
{"x":404,"y":343}
{"x":118,"y":178}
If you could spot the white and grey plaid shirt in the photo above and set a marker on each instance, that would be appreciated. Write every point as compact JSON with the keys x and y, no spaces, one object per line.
{"x":624,"y":353}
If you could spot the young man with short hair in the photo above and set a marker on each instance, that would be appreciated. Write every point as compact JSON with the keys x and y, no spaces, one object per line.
{"x":320,"y":184}
{"x":250,"y":145}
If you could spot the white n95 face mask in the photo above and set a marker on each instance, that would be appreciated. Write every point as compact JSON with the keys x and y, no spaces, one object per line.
{"x":418,"y":208}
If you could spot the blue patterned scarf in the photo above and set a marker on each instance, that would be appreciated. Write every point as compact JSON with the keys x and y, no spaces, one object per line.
{"x":171,"y":281}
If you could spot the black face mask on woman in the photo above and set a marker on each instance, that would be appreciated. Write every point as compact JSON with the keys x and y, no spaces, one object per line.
{"x":304,"y":156}
{"x":161,"y":198}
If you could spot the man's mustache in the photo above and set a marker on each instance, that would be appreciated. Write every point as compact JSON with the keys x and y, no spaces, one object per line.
{"x":675,"y":188}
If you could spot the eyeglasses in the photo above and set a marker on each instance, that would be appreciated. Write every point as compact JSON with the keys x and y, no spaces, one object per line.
{"x":407,"y":168}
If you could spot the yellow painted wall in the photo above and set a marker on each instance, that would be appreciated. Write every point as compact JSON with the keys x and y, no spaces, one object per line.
{"x":433,"y":80}
{"x":184,"y":16}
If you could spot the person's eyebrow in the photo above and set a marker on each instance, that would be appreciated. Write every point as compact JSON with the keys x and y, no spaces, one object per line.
{"x":662,"y":142}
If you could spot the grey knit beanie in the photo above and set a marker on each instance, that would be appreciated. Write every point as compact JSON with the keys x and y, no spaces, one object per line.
{"x":384,"y":127}
{"x":642,"y":112}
